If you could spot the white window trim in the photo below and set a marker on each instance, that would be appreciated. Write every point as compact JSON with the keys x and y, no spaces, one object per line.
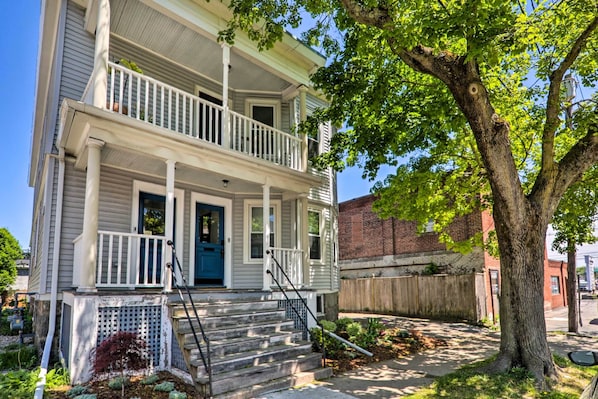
{"x":228,"y":228}
{"x":248,"y":204}
{"x":323,"y":233}
{"x":179,"y":195}
{"x":250,"y":102}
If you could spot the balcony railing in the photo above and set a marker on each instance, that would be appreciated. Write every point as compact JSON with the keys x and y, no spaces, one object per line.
{"x":130,"y":260}
{"x":143,"y":98}
{"x":291,"y":261}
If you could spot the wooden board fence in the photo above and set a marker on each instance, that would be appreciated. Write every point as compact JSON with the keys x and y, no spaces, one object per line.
{"x":457,"y":297}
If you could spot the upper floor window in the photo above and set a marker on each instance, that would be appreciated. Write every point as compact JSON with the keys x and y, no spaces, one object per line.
{"x":265,"y":111}
{"x":313,"y":144}
{"x":315,"y":235}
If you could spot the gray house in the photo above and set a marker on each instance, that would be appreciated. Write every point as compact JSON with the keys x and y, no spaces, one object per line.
{"x":149,"y":132}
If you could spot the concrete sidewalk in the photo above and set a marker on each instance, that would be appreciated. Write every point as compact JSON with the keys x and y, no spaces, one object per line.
{"x":466,"y":344}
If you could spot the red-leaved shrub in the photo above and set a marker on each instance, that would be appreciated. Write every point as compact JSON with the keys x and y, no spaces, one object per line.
{"x":121,"y":352}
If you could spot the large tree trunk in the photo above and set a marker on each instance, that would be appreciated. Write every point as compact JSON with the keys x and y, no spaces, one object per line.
{"x":573,"y":309}
{"x":523,"y":326}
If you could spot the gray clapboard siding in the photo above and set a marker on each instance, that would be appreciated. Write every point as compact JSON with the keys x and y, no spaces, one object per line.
{"x":72,"y":223}
{"x":77,"y":57}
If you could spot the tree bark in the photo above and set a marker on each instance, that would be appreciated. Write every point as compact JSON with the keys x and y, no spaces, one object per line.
{"x":573,"y":309}
{"x":522,"y":322}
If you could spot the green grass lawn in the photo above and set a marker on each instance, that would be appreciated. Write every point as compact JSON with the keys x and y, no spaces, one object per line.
{"x":469,"y":383}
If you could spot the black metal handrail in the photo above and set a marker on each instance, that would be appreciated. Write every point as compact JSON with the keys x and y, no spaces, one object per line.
{"x":324,"y":331}
{"x":205,"y":358}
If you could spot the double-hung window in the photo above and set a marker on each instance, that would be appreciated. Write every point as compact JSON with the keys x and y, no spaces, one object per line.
{"x":315,"y":234}
{"x":254,"y":248}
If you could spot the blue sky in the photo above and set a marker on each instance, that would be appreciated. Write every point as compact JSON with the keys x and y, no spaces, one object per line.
{"x":18,"y":46}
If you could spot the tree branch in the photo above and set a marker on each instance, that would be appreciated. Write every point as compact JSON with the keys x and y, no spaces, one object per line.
{"x":553,"y":102}
{"x":374,"y":16}
{"x":582,"y":156}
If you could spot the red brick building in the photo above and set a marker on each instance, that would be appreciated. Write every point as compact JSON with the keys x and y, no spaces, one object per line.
{"x":374,"y":247}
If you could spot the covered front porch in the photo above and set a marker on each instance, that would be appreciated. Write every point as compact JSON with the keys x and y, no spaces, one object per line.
{"x":209,"y":203}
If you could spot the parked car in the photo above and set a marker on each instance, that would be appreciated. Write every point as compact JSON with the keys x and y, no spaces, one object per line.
{"x":583,"y":286}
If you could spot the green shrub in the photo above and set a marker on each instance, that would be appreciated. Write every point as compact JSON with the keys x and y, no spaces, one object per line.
{"x":150,"y":379}
{"x":57,"y":377}
{"x":331,"y":345}
{"x":18,"y":384}
{"x":118,"y":383}
{"x":18,"y":357}
{"x":341,"y":324}
{"x":177,"y":395}
{"x":166,"y":386}
{"x":76,"y":391}
{"x":86,"y":396}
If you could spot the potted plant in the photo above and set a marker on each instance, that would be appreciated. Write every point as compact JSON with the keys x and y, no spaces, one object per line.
{"x":133,"y":67}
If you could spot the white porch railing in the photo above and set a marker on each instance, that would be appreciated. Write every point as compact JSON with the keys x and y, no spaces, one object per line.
{"x":149,"y":100}
{"x":291,"y":262}
{"x":130,"y":260}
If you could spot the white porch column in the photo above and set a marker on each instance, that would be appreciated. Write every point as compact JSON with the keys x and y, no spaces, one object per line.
{"x":169,"y":224}
{"x":87,"y":263}
{"x":303,"y":118}
{"x":225,"y":114}
{"x":303,"y":236}
{"x":266,"y":233}
{"x":100,"y":61}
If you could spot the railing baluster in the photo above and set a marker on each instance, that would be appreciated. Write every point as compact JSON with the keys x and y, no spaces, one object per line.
{"x":100,"y":258}
{"x":109,"y":265}
{"x":119,"y":264}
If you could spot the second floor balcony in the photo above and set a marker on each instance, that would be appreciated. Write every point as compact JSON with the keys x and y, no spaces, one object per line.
{"x":137,"y":96}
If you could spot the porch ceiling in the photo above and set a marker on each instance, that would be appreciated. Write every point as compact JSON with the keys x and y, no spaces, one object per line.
{"x":148,"y":28}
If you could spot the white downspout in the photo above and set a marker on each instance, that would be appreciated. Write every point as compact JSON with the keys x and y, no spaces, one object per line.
{"x":39,"y":389}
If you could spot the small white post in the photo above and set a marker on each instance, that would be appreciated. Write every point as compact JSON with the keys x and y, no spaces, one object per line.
{"x":303,"y":118}
{"x":225,"y":113}
{"x":169,"y":224}
{"x":100,"y":61}
{"x":266,"y":234}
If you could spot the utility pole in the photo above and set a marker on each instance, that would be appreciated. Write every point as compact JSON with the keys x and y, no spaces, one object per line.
{"x":574,"y":305}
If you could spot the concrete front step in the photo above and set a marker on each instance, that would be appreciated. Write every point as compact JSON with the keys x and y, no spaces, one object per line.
{"x":205,"y":309}
{"x":243,"y":344}
{"x":297,"y":379}
{"x":228,"y":320}
{"x":236,"y":361}
{"x":237,"y":380}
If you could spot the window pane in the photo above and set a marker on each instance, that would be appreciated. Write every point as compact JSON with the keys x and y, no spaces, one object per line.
{"x":555,"y":285}
{"x":314,"y":223}
{"x":256,"y":220}
{"x":314,"y":235}
{"x":257,"y":246}
{"x":154,"y":216}
{"x":256,"y":234}
{"x":264,"y":114}
{"x":314,"y":247}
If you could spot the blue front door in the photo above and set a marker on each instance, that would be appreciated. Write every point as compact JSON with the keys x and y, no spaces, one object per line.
{"x":209,"y":245}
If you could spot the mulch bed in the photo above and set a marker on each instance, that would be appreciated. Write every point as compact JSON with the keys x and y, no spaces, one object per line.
{"x":398,"y":344}
{"x":135,"y":389}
